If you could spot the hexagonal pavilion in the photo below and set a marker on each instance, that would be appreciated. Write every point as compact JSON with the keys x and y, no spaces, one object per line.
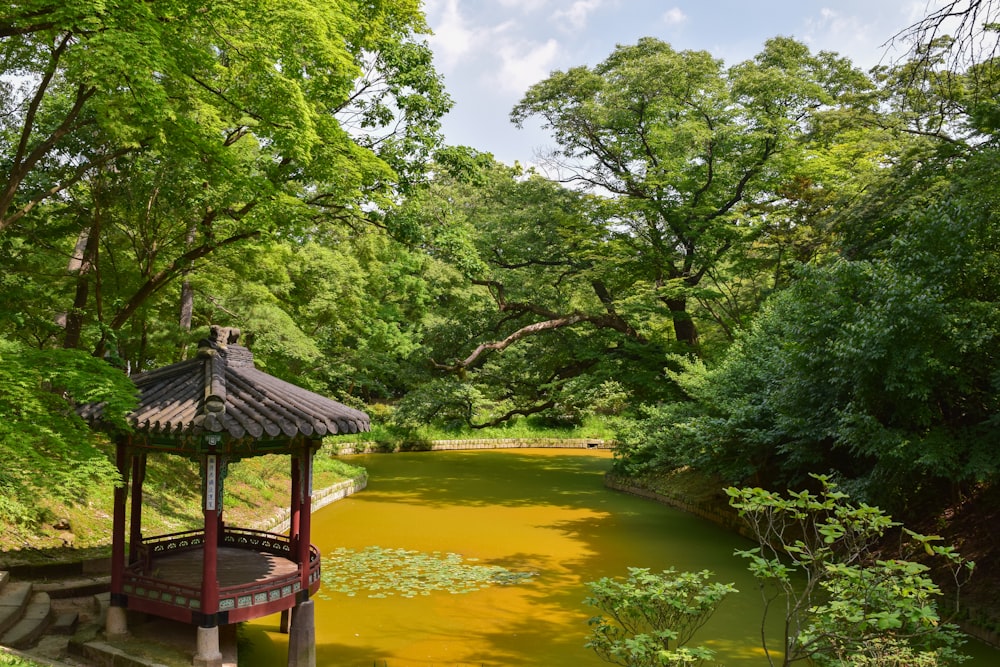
{"x":216,"y":409}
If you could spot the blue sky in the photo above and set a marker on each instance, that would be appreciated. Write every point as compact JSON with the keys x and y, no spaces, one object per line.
{"x":491,"y":51}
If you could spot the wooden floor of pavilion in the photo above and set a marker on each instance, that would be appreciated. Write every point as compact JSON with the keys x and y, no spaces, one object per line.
{"x":236,"y":567}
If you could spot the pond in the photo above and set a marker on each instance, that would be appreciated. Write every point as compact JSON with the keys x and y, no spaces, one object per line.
{"x":439,"y":526}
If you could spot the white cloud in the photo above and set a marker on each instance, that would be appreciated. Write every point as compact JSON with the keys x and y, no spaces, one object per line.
{"x":491,"y":51}
{"x":523,"y":65}
{"x":525,"y":6}
{"x":832,"y":30}
{"x":576,"y":14}
{"x":866,"y":34}
{"x":674,"y":16}
{"x":496,"y":55}
{"x":453,"y":36}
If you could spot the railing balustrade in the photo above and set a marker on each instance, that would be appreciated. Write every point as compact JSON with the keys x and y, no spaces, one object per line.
{"x":242,"y":601}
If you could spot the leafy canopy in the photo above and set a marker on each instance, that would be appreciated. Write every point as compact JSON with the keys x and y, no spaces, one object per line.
{"x":48,"y":448}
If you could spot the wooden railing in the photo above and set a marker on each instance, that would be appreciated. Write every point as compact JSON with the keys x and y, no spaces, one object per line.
{"x":241,"y":602}
{"x":258,"y":540}
{"x":171,"y":543}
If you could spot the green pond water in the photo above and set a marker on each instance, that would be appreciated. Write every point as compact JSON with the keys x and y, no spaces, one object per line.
{"x":482,"y":558}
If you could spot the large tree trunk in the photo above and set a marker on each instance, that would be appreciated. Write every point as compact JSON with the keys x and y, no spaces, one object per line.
{"x":187,"y":298}
{"x":83,"y":264}
{"x":684,"y":327}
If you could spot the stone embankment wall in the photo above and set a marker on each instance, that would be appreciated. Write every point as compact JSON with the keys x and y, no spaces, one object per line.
{"x":720,"y":513}
{"x":491,"y":443}
{"x":280,"y":522}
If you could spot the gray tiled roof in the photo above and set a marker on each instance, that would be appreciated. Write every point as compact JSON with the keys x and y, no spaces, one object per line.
{"x":221,"y":391}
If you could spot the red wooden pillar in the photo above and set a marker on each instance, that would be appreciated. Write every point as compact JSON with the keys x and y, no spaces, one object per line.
{"x":302,"y":638}
{"x":135,"y":522}
{"x":207,"y":652}
{"x":116,"y":624}
{"x":209,"y":574}
{"x":294,"y":514}
{"x":295,"y":511}
{"x":305,"y":518}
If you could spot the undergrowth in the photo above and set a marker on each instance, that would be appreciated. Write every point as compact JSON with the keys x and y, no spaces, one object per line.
{"x":388,"y":437}
{"x":11,"y":660}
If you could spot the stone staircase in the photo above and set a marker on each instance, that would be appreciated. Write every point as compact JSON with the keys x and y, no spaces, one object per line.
{"x":39,"y":617}
{"x":55,"y":617}
{"x":25,"y":613}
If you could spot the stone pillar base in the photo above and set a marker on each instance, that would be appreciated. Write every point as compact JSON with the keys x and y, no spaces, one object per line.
{"x":116,"y":623}
{"x":207,"y":653}
{"x":302,"y":638}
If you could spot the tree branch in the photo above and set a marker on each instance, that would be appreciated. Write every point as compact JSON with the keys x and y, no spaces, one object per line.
{"x":521,"y":333}
{"x":25,"y":159}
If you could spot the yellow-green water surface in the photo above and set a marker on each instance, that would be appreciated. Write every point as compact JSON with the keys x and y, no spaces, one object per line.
{"x":543,"y":512}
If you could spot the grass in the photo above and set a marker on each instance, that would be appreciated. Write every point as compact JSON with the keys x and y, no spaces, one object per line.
{"x":12,"y":660}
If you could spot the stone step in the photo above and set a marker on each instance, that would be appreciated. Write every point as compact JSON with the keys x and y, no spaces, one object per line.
{"x":101,"y":603}
{"x":4,"y":578}
{"x":65,"y":623}
{"x":14,"y":599}
{"x":75,"y":587}
{"x":35,"y":620}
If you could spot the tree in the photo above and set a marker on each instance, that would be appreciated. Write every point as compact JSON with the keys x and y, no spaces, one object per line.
{"x":877,"y":360}
{"x":683,"y":148}
{"x":818,"y":559}
{"x":848,"y":598}
{"x":857,"y":368}
{"x":270,"y":114}
{"x":551,"y":319}
{"x":343,"y":315}
{"x":295,"y":76}
{"x":969,"y":21}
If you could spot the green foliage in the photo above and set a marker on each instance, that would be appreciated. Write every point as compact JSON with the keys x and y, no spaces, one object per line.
{"x":875,"y":356}
{"x":11,"y":660}
{"x":541,"y":312}
{"x":888,"y":652}
{"x":845,"y":603}
{"x":445,"y":401}
{"x":650,"y":617}
{"x":879,"y":369}
{"x":341,"y":314}
{"x":48,"y":448}
{"x":173,"y":131}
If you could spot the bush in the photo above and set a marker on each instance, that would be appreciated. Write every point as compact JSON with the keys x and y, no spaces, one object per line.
{"x":845,"y":602}
{"x":651,"y":617}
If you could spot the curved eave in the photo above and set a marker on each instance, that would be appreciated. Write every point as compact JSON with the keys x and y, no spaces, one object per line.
{"x":177,"y":401}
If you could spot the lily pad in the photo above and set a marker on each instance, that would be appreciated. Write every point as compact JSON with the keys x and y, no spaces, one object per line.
{"x":381,"y":572}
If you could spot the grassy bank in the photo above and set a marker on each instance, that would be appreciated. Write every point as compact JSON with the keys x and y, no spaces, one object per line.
{"x":254,"y":490}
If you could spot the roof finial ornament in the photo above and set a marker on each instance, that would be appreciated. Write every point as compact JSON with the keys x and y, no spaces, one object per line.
{"x":219,"y":338}
{"x":223,"y":336}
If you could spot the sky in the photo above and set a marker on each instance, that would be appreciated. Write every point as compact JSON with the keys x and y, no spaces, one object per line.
{"x":491,"y":51}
